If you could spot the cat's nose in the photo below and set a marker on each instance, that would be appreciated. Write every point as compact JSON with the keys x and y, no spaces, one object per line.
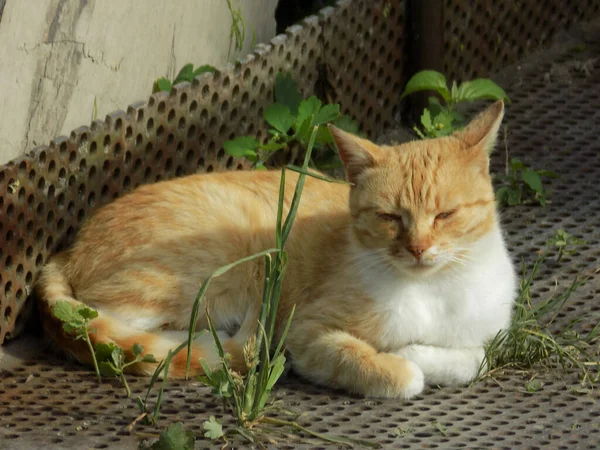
{"x":416,"y":250}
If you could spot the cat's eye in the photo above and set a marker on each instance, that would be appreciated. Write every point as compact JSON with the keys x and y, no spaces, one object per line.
{"x":444,"y":215}
{"x":390,"y":217}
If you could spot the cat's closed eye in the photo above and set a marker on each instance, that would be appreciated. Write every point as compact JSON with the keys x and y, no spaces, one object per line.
{"x":445,"y":215}
{"x":390,"y":217}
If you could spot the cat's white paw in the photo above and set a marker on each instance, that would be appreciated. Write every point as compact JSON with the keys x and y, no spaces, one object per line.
{"x":416,"y":385}
{"x":445,"y":366}
{"x":401,"y":378}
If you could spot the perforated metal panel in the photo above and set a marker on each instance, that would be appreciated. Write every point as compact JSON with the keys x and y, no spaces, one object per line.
{"x":482,"y":36}
{"x":363,"y":54}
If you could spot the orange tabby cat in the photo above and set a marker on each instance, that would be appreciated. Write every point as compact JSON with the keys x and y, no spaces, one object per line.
{"x":402,"y":284}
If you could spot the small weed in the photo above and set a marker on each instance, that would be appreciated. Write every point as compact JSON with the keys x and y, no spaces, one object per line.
{"x":529,"y":342}
{"x":563,"y":241}
{"x":292,"y":120}
{"x":175,"y":437}
{"x":75,"y":322}
{"x":111,"y":360}
{"x":401,"y":432}
{"x":522,"y":185}
{"x":187,"y":73}
{"x":441,"y":117}
{"x":212,"y":428}
{"x":441,"y":428}
{"x":534,"y":385}
{"x":237,"y":31}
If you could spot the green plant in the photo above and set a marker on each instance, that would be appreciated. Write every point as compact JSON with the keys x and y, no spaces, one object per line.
{"x":187,"y":73}
{"x":441,"y":118}
{"x":522,"y":185}
{"x":563,"y":241}
{"x":247,"y":397}
{"x":237,"y":31}
{"x":531,"y":342}
{"x":75,"y":321}
{"x":292,"y":119}
{"x":175,"y":437}
{"x":111,"y":360}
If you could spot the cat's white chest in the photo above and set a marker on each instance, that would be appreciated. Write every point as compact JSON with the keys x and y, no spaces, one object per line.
{"x":433,"y":314}
{"x":457,"y":311}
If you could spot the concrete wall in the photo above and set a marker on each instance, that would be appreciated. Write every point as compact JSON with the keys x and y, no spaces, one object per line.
{"x":58,"y":56}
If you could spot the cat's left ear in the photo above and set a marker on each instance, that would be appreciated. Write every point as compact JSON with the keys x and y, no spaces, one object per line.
{"x":482,"y":131}
{"x":356,"y":153}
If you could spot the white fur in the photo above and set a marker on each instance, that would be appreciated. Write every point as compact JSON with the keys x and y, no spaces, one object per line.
{"x":441,"y":321}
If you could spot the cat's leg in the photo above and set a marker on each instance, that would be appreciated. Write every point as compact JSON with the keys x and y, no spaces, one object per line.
{"x":445,"y":366}
{"x":338,"y":359}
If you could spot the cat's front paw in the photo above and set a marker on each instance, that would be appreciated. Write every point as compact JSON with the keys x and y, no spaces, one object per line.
{"x":445,"y":366}
{"x":397,"y":378}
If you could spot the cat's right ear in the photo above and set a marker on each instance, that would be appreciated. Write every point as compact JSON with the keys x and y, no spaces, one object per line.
{"x":356,"y":153}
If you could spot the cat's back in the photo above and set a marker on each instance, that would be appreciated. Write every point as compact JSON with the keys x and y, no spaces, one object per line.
{"x":217,"y":204}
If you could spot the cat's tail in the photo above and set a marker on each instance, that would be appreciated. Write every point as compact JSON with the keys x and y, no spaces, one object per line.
{"x":53,"y":286}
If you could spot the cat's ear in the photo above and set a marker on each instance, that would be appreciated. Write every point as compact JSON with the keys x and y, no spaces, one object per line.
{"x":357,"y":154}
{"x":482,"y":131}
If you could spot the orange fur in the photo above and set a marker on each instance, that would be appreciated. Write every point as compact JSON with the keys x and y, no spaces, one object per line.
{"x":140,"y":260}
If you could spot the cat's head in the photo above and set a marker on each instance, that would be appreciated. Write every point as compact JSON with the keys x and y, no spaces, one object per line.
{"x":422,"y":205}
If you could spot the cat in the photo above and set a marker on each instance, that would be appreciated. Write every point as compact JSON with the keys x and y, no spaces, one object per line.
{"x":399,"y":277}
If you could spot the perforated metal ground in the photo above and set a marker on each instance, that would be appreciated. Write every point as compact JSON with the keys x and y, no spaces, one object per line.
{"x":483,"y":36}
{"x":554,"y":124}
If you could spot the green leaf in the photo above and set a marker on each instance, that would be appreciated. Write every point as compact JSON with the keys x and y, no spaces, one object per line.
{"x":454,"y":92}
{"x":427,"y":80}
{"x":534,"y":386}
{"x":304,"y":130}
{"x":242,"y":146}
{"x":161,"y":85}
{"x":137,"y":349}
{"x":149,"y":359}
{"x":175,"y":438}
{"x":277,"y":369}
{"x":104,"y":351}
{"x":516,"y":164}
{"x":185,"y":74}
{"x":513,"y":197}
{"x":547,"y":173}
{"x":260,"y":166}
{"x":212,"y":428}
{"x":272,"y":146}
{"x":326,"y":114}
{"x":87,"y":313}
{"x":286,"y":92}
{"x":66,"y":313}
{"x":346,"y":123}
{"x":478,"y":89}
{"x":442,"y":124}
{"x":532,"y":180}
{"x":204,"y":69}
{"x":441,"y":428}
{"x":309,"y":107}
{"x":279,"y":117}
{"x":502,"y":195}
{"x":323,"y":136}
{"x":426,"y":120}
{"x":108,"y":370}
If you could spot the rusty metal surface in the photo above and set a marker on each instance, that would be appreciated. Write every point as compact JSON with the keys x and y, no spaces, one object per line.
{"x":553,"y":124}
{"x":363,"y":54}
{"x":483,"y":36}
